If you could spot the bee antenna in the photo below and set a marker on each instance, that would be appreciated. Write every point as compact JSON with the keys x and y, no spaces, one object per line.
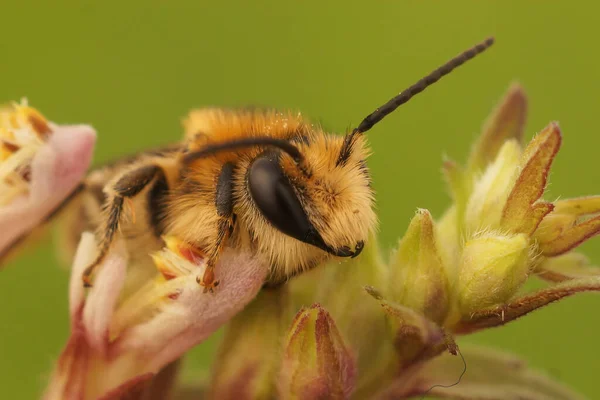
{"x":211,"y":149}
{"x":421,"y":85}
{"x":409,"y":93}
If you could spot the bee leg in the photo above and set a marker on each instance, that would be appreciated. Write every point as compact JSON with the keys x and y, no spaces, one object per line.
{"x":208,"y":279}
{"x":126,"y":187}
{"x":224,"y":206}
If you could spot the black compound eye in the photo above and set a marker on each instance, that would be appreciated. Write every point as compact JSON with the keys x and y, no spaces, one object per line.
{"x":275,"y":198}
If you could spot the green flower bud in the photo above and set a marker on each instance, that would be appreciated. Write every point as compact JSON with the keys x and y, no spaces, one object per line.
{"x":493,"y":267}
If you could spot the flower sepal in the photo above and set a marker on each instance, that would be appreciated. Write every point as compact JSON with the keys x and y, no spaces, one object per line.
{"x":316,"y":363}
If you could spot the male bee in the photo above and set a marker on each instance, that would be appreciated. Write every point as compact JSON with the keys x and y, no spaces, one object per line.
{"x":266,"y":181}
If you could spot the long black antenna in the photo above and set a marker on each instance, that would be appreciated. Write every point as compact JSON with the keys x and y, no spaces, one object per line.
{"x":407,"y":94}
{"x":421,"y":85}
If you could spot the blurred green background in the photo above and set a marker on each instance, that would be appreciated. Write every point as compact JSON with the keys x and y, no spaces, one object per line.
{"x":134,"y":68}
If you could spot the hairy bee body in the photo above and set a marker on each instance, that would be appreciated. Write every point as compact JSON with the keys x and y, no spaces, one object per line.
{"x":87,"y":212}
{"x":208,"y":204}
{"x":266,"y":182}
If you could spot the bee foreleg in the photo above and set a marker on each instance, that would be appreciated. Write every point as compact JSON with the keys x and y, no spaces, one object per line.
{"x":208,"y":280}
{"x":127,"y":186}
{"x":224,"y":206}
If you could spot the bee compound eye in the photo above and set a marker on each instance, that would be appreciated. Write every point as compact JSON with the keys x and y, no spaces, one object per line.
{"x":275,"y":198}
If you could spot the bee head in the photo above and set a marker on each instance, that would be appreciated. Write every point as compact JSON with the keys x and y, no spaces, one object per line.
{"x":323,"y":197}
{"x":292,"y":199}
{"x":319,"y":201}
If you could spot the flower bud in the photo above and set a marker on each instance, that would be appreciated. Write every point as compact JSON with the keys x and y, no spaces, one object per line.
{"x":487,"y":200}
{"x":449,"y":243}
{"x":523,"y":211}
{"x":572,"y":265}
{"x":492,"y":268}
{"x":316,"y":364}
{"x":418,"y":277}
{"x":506,"y":122}
{"x":359,"y":320}
{"x":416,"y":338}
{"x":572,"y":222}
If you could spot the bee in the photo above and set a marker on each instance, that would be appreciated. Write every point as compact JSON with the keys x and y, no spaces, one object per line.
{"x":261,"y":180}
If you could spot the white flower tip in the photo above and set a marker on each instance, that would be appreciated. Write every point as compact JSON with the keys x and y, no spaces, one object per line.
{"x":62,"y":163}
{"x":193,"y":315}
{"x":41,"y":163}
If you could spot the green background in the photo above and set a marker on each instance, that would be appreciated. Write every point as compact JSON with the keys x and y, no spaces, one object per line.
{"x":133,"y":69}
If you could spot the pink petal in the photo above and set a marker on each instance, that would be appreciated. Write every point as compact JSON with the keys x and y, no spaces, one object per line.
{"x":68,"y":381}
{"x":195,"y":315}
{"x":83,"y":257}
{"x":103,"y":296}
{"x":92,"y":366}
{"x":56,"y":171}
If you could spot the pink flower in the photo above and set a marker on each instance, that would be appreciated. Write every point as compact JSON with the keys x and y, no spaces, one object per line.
{"x":41,"y":164}
{"x":121,"y":341}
